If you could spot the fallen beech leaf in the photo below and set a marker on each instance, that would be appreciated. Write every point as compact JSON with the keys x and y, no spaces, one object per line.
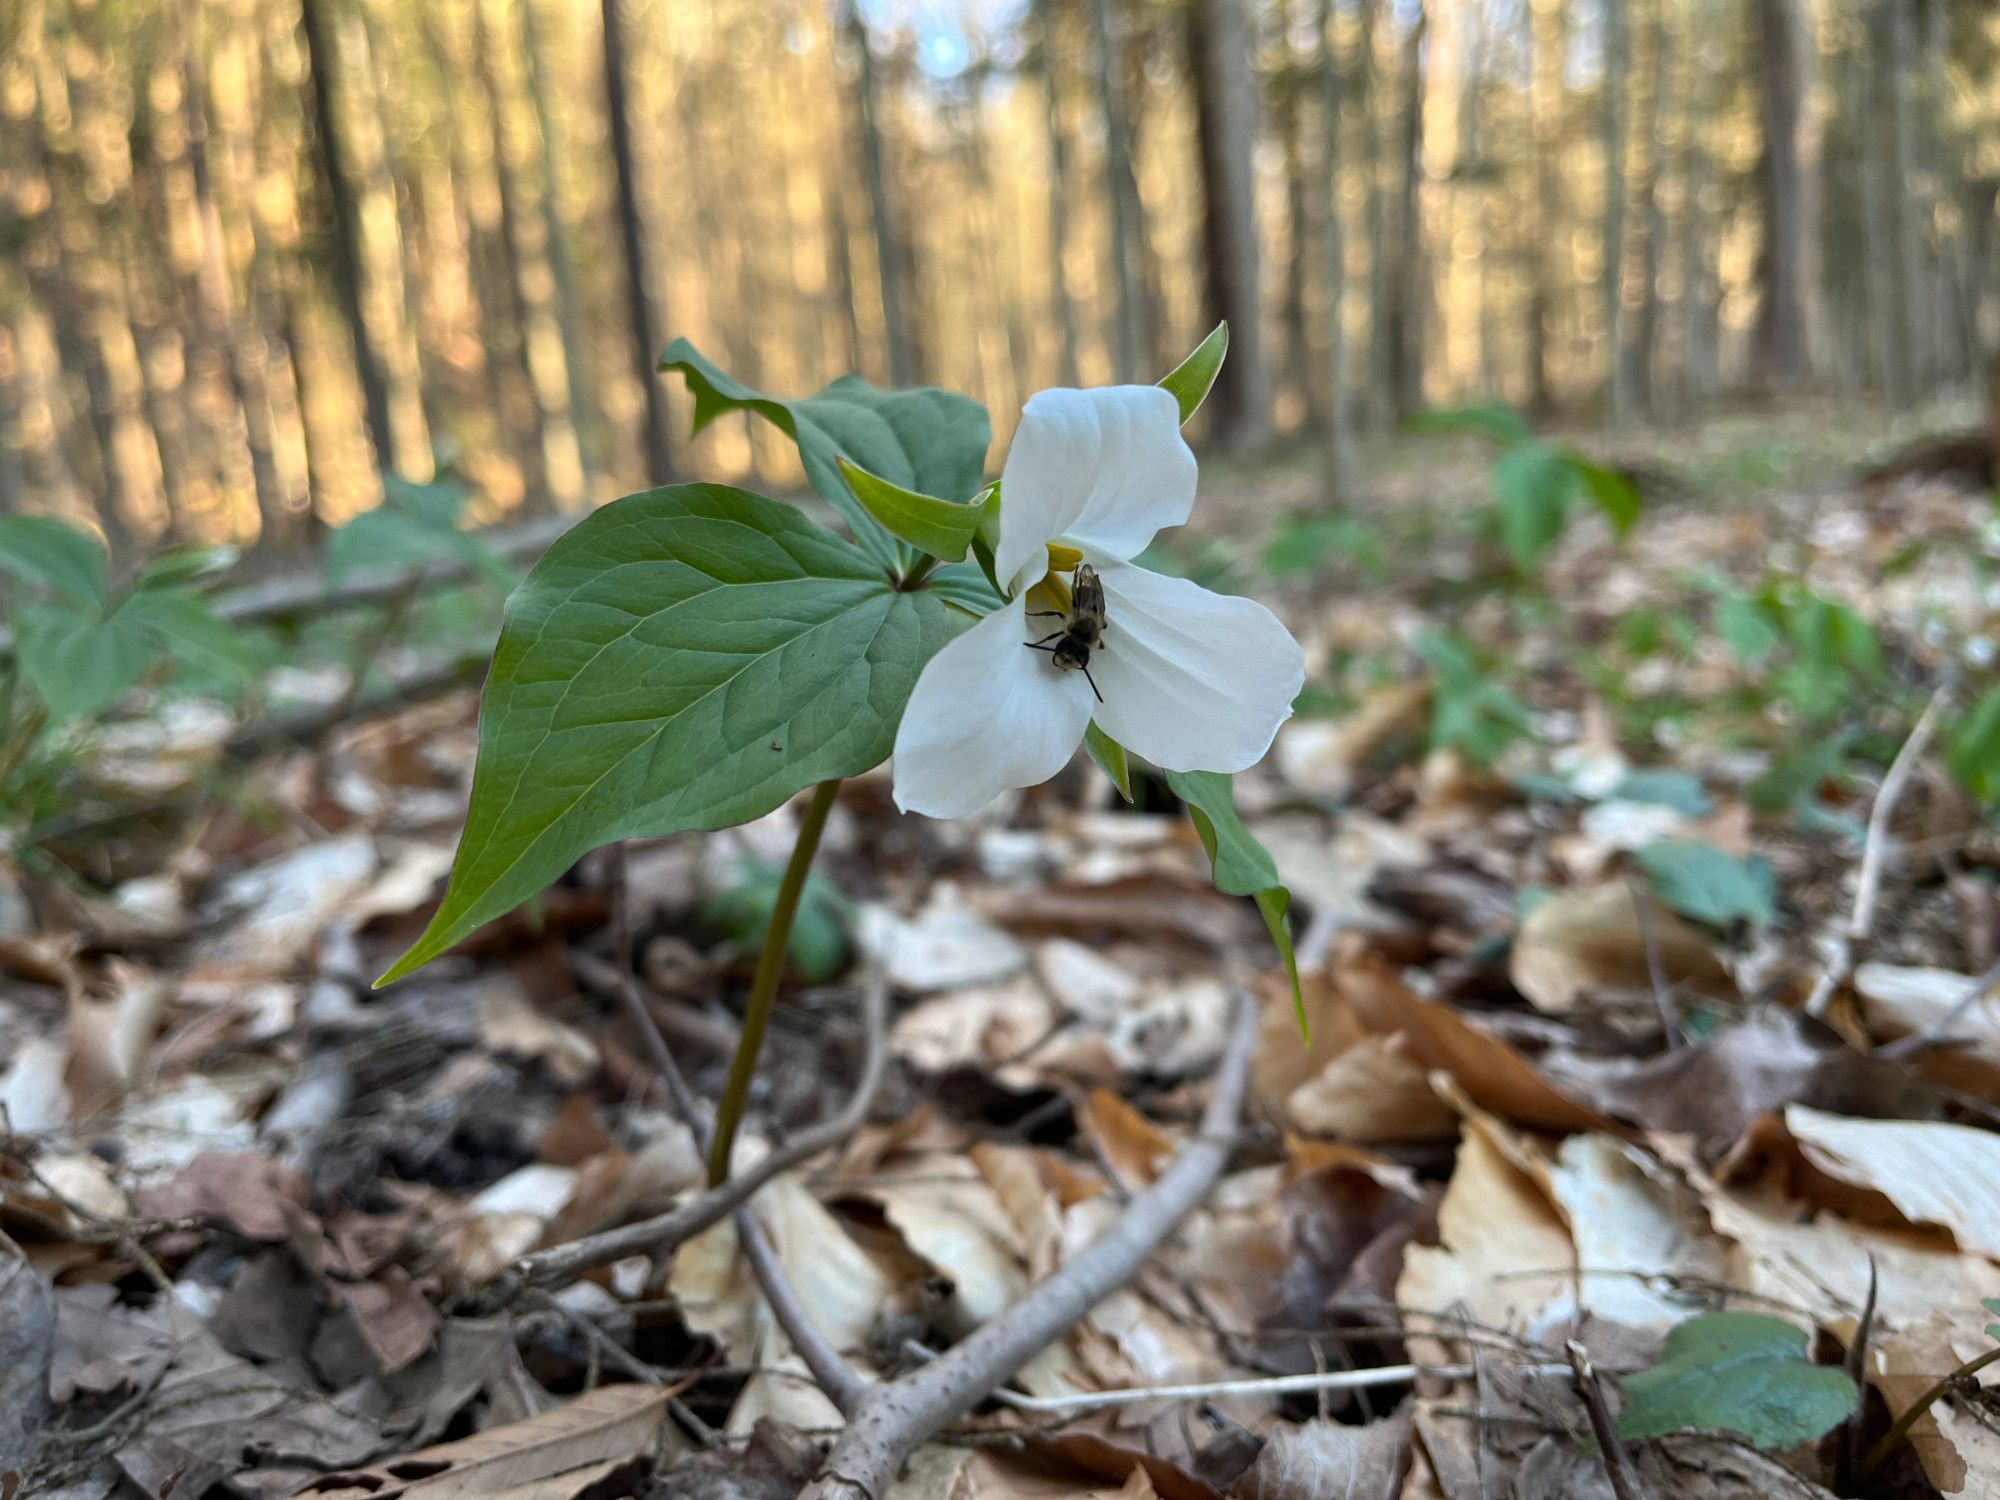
{"x":1493,"y":1075}
{"x":946,"y":946}
{"x":1898,"y":1001}
{"x":512,"y":1025}
{"x":110,"y":1036}
{"x":1373,"y":1093}
{"x":1934,"y":1173}
{"x":257,"y":1197}
{"x":394,"y":1318}
{"x":1330,"y":1459}
{"x":1959,"y":1451}
{"x":611,"y":1422}
{"x":1322,"y":755}
{"x":1135,"y":1148}
{"x":1581,"y":943}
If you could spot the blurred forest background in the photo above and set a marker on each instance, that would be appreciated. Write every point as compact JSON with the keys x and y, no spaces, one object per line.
{"x":256,"y":253}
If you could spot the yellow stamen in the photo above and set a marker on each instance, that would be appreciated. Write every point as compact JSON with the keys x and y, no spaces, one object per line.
{"x":1063,"y":558}
{"x":1051,"y":594}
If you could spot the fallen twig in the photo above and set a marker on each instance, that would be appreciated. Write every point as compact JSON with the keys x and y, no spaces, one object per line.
{"x":1934,"y":1034}
{"x":892,"y":1419}
{"x":845,"y":1386}
{"x":562,"y":1263}
{"x":1874,"y":849}
{"x":1590,"y":1391}
{"x":1263,"y":1385}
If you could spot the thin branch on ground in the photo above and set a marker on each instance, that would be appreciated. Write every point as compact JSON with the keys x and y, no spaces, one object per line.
{"x":894,"y":1418}
{"x":844,"y":1386}
{"x":1590,"y":1391}
{"x":711,"y":1033}
{"x":1874,"y":850}
{"x":1935,"y":1032}
{"x":653,"y":1236}
{"x":1656,"y":969}
{"x":1263,"y":1385}
{"x":627,"y":985}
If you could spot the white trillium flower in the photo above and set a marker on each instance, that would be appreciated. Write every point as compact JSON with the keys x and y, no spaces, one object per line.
{"x":1191,"y":680}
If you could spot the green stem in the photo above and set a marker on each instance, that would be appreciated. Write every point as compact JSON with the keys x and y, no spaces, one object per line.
{"x":764,"y":987}
{"x":1900,"y":1428}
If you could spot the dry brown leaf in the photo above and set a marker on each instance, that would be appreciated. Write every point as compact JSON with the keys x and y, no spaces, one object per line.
{"x":1331,"y":1461}
{"x":1581,"y":943}
{"x":393,"y":1317}
{"x":1132,"y":1145}
{"x":1898,"y":1001}
{"x":512,"y":1025}
{"x":1493,"y":1074}
{"x":1373,"y":1093}
{"x":257,"y":1197}
{"x":1503,"y":1261}
{"x":110,"y":1037}
{"x":1959,"y":1451}
{"x":1935,"y":1173}
{"x":951,"y":1218}
{"x":611,"y":1422}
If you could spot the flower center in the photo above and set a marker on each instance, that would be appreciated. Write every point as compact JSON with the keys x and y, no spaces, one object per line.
{"x":1052,"y":592}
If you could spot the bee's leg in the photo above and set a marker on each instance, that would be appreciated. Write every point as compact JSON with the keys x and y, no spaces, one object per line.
{"x":1054,"y":614}
{"x":1092,"y":681}
{"x":1038,"y":645}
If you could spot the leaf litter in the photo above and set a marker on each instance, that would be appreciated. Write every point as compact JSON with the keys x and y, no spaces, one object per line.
{"x":263,"y":1226}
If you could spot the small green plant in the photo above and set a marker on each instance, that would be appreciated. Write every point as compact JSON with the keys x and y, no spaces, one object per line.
{"x":416,"y":524}
{"x":1301,"y":545}
{"x":82,"y":641}
{"x":1737,"y":1372}
{"x":1819,"y":653}
{"x":1537,"y":484}
{"x":1710,"y":885}
{"x":1471,"y":711}
{"x":1899,"y":1430}
{"x":693,"y":657}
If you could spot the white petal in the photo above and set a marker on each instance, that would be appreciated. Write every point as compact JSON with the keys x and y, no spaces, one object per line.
{"x":1106,"y":468}
{"x":1192,"y":680}
{"x":987,"y":715}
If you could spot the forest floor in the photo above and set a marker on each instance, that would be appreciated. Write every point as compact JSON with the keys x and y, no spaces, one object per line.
{"x":1645,"y":938}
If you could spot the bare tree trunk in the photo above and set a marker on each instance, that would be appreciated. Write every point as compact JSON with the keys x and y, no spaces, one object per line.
{"x":1639,"y":348}
{"x":1784,"y":348}
{"x":1298,"y":364}
{"x":562,"y":260}
{"x":1897,"y":247}
{"x":1226,"y":97}
{"x":331,"y":168}
{"x":1377,"y":403}
{"x":1701,"y":87}
{"x":840,"y":271}
{"x":1122,"y":189}
{"x":1406,"y":283}
{"x":1333,"y":250}
{"x":1061,"y":309}
{"x":1611,"y":284}
{"x":642,"y":279}
{"x":1545,"y":109}
{"x":891,"y":260}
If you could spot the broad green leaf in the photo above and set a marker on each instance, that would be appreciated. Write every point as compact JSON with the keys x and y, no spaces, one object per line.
{"x":684,"y":658}
{"x":43,"y":550}
{"x":1974,"y":750}
{"x":1676,"y":789}
{"x":1747,"y":628}
{"x":1737,"y":1372}
{"x":942,"y":528}
{"x":1111,"y":759}
{"x":414,"y":524}
{"x":1193,"y":378}
{"x":927,"y":441}
{"x":1492,"y":419}
{"x":1611,"y":492}
{"x":1470,"y":710}
{"x":1795,"y":780}
{"x":81,"y":665}
{"x":1533,"y":485}
{"x":818,"y":945}
{"x":190,"y":634}
{"x":966,"y":586}
{"x":1242,"y":866}
{"x":178,"y":565}
{"x":1701,"y":881}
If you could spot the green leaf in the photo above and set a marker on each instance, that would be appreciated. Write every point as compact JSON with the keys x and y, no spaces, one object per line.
{"x":1470,"y":711}
{"x":1974,"y":750}
{"x":178,"y":565}
{"x":1242,"y":866}
{"x":190,"y":634}
{"x":1494,"y":420}
{"x":1795,"y":780}
{"x":43,"y":550}
{"x":1676,"y":789}
{"x":1533,"y":485}
{"x":965,"y":585}
{"x":81,"y":665}
{"x":1747,"y":628}
{"x":1701,"y":881}
{"x":415,"y":524}
{"x":926,"y":441}
{"x":1737,"y":1372}
{"x":1193,"y":378}
{"x":942,"y":528}
{"x":684,"y":658}
{"x":818,"y":945}
{"x":1111,"y":759}
{"x":1611,"y":492}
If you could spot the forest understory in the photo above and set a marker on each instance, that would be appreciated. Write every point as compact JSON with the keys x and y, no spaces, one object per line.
{"x":1646,"y":923}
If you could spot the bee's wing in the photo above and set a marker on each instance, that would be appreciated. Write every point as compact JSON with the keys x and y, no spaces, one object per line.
{"x":1087,"y":594}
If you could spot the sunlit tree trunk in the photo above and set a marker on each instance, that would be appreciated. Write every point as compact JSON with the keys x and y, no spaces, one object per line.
{"x":1062,"y":310}
{"x":891,"y":259}
{"x":1298,"y":361}
{"x":1333,"y":250}
{"x":1129,"y":336}
{"x":1784,"y":348}
{"x":1616,"y":104}
{"x":1226,"y":99}
{"x":345,"y":247}
{"x":642,"y":280}
{"x":1404,"y":344}
{"x":1890,"y":211}
{"x":1638,"y":349}
{"x":1701,"y":89}
{"x":1547,"y":43}
{"x":1368,"y":90}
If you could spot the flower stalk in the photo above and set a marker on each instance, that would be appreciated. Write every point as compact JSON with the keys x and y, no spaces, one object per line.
{"x":764,"y":986}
